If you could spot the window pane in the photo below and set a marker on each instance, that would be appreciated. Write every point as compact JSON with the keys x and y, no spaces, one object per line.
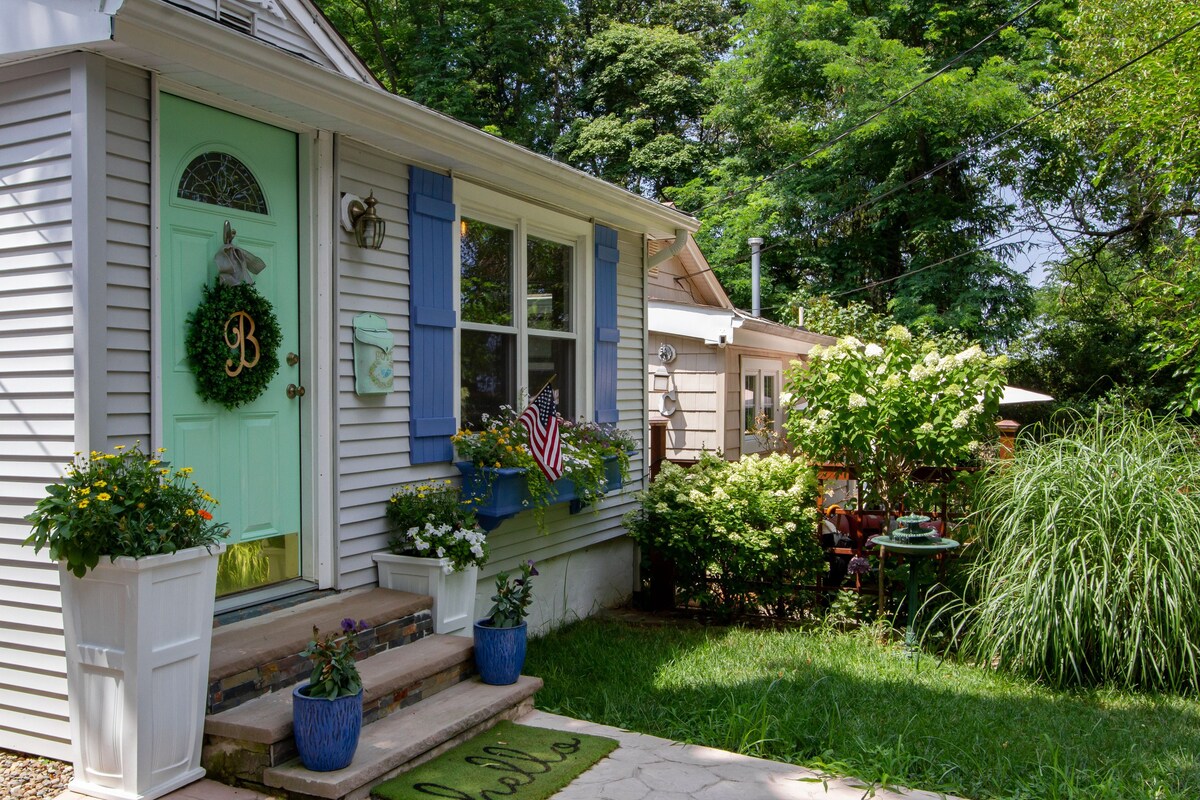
{"x":489,"y":364}
{"x":549,"y":298}
{"x":554,"y":357}
{"x":750,"y":400}
{"x":768,"y":401}
{"x":486,"y":286}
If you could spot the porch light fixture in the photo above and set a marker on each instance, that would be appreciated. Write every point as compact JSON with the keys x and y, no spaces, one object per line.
{"x":359,"y":218}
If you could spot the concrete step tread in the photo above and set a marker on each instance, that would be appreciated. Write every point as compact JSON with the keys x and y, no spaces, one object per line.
{"x":394,"y":741}
{"x":245,"y":644}
{"x":268,"y":719}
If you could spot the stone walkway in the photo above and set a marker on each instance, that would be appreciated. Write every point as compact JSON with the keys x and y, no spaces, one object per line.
{"x":660,"y":769}
{"x":650,"y":768}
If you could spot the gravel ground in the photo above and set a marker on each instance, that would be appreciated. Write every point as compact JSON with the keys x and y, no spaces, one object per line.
{"x":24,"y":777}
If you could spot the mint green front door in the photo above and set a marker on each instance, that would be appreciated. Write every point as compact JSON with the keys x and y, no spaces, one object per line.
{"x":217,"y":167}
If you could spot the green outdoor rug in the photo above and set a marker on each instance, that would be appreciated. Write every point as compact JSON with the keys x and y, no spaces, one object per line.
{"x":510,"y":761}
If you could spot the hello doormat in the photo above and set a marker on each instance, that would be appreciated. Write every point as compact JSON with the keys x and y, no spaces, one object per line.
{"x":509,"y":761}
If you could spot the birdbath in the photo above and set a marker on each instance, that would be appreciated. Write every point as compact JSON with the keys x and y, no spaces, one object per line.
{"x":914,"y":542}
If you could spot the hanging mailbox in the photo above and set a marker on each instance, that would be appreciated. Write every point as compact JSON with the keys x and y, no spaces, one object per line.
{"x":372,"y":355}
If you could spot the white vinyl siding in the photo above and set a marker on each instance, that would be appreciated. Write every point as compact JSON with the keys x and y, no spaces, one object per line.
{"x":37,"y":388}
{"x":372,"y":431}
{"x":127,"y":191}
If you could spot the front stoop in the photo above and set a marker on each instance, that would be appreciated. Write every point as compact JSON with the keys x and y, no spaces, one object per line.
{"x":419,"y":699}
{"x":409,"y":738}
{"x":253,"y":657}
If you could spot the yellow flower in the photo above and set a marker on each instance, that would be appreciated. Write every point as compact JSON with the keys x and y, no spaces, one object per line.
{"x":161,"y":450}
{"x":141,"y":505}
{"x":104,"y":497}
{"x":100,"y":484}
{"x":510,"y":448}
{"x":154,"y":462}
{"x":185,"y":471}
{"x":164,"y":472}
{"x":85,"y":490}
{"x":190,"y":512}
{"x":83,"y":503}
{"x":119,"y":447}
{"x":497,"y":464}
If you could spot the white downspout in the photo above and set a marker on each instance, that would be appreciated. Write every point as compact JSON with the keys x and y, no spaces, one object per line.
{"x":681,"y":239}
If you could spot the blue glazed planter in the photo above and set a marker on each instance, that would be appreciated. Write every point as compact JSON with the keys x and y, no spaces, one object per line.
{"x":326,"y":731}
{"x":500,"y":493}
{"x":499,"y":652}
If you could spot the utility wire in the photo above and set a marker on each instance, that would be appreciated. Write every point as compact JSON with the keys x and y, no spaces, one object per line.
{"x":873,"y":116}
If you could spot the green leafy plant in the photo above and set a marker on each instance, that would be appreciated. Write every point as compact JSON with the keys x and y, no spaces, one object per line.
{"x":215,"y":344}
{"x":431,"y":520}
{"x":742,"y":534}
{"x":885,"y":409}
{"x":512,"y":598}
{"x":123,"y":503}
{"x":335,"y":673}
{"x":1084,"y":563}
{"x":503,"y":442}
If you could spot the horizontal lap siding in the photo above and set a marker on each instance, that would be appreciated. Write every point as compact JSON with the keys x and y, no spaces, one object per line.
{"x":127,"y":188}
{"x":372,"y":431}
{"x":37,"y":424}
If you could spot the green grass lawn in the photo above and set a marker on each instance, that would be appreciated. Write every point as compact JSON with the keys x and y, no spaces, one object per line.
{"x":844,"y":703}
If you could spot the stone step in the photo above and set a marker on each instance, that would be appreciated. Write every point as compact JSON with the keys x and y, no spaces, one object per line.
{"x":239,"y":744}
{"x":253,"y":657}
{"x":404,"y":740}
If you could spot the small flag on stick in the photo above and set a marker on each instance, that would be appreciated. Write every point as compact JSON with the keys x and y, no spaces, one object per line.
{"x":541,"y":421}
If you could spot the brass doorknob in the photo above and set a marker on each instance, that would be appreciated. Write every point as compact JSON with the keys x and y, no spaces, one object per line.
{"x":294,"y":391}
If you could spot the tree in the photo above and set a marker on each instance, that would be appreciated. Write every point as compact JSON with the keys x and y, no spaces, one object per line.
{"x":644,"y":89}
{"x":858,"y":215}
{"x":491,"y":63}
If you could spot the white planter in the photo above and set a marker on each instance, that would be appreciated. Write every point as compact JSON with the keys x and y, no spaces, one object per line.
{"x":138,"y":634}
{"x":453,"y":594}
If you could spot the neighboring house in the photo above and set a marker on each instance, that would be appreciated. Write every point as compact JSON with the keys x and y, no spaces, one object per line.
{"x":725,"y":368}
{"x":131,"y":131}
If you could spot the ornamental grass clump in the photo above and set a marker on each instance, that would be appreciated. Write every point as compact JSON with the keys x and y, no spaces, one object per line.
{"x":1086,"y":568}
{"x":124,"y":503}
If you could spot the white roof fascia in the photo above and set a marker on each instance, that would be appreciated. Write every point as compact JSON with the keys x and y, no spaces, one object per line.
{"x":35,"y":27}
{"x":692,"y":322}
{"x":326,"y":37}
{"x":208,"y":56}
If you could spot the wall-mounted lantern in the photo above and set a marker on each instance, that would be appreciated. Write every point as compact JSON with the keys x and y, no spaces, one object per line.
{"x":359,"y":218}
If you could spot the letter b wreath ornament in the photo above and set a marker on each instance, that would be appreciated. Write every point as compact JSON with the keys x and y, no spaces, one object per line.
{"x":232,"y":340}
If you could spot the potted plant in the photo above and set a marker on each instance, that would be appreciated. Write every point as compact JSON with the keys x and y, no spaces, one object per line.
{"x":137,"y":553}
{"x":435,"y":550}
{"x":502,"y":478}
{"x":327,"y":709}
{"x":500,"y":637}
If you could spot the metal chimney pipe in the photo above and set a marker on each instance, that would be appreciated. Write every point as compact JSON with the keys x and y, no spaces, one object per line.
{"x":756,"y":276}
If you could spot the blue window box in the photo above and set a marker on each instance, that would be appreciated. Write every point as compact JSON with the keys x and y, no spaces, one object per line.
{"x":501,"y":492}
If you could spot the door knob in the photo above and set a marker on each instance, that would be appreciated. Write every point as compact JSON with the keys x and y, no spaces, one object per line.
{"x":294,"y":391}
{"x":292,"y":359}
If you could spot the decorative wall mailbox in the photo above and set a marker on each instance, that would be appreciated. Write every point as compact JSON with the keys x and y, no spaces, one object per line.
{"x":372,"y":355}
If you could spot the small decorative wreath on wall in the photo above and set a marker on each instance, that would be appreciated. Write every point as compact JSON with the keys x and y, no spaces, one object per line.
{"x":232,"y":340}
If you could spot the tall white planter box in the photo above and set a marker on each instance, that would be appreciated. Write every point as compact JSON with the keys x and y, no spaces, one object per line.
{"x":453,"y":594}
{"x":138,"y":634}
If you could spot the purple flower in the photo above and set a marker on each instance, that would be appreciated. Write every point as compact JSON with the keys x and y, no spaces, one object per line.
{"x":348,"y":625}
{"x":532,"y":568}
{"x":858,"y":566}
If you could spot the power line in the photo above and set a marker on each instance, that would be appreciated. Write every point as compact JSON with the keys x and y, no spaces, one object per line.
{"x":873,"y":116}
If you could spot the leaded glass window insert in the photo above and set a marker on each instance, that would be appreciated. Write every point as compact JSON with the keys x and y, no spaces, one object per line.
{"x":220,"y":179}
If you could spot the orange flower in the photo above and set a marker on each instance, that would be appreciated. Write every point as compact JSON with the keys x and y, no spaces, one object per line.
{"x":204,"y":515}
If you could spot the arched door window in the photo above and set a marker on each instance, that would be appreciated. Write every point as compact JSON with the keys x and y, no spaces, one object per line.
{"x":220,"y":179}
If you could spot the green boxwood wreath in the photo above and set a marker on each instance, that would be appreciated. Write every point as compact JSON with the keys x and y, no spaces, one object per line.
{"x":208,"y":350}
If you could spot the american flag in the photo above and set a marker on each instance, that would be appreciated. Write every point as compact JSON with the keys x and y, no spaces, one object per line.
{"x":541,"y":420}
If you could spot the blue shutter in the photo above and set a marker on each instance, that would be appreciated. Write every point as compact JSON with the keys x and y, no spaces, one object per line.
{"x":607,"y":333}
{"x":431,"y":316}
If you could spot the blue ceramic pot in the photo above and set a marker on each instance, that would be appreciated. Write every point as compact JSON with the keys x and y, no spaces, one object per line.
{"x":499,"y":652}
{"x":326,"y":731}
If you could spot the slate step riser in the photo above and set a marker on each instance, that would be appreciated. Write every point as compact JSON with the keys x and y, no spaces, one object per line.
{"x":242,"y":763}
{"x":273,"y":676}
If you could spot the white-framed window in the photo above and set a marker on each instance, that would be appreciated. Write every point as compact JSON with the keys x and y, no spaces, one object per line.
{"x":761,"y":413}
{"x":523,"y":276}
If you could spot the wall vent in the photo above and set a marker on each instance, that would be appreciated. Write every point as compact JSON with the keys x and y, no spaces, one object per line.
{"x":232,"y":16}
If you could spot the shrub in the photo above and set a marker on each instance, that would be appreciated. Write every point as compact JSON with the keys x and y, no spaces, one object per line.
{"x":1086,"y":564}
{"x":742,"y":534}
{"x":885,"y":409}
